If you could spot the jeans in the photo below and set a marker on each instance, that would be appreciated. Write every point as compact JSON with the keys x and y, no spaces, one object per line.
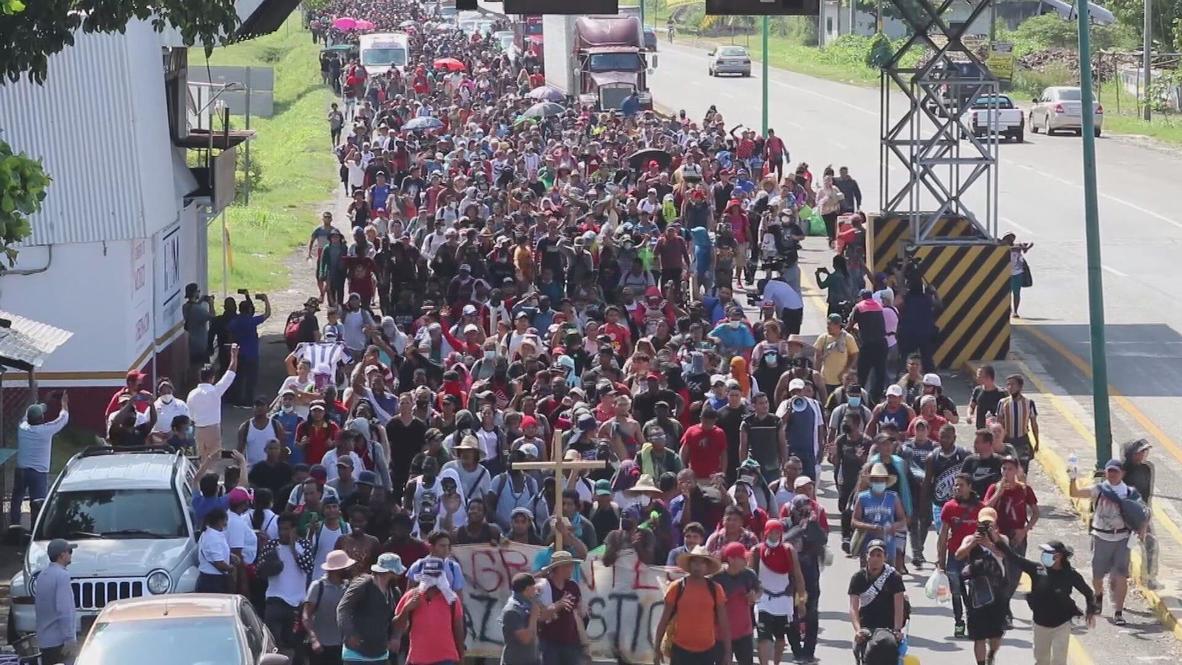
{"x":279,"y":618}
{"x":872,"y":362}
{"x":919,"y":528}
{"x":331,"y":655}
{"x":952,"y":568}
{"x":34,"y":483}
{"x":806,"y":645}
{"x":245,"y":381}
{"x":560,"y":654}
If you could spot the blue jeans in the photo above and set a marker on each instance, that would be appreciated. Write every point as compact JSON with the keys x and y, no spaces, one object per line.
{"x":952,"y":568}
{"x":35,"y":483}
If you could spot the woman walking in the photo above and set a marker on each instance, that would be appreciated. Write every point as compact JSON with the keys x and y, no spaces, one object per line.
{"x":1052,"y":579}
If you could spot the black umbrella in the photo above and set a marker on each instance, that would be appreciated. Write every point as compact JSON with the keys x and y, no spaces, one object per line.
{"x":544,"y":110}
{"x":639,"y":159}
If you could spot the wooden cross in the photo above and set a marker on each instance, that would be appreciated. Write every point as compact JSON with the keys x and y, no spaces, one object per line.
{"x":558,"y":464}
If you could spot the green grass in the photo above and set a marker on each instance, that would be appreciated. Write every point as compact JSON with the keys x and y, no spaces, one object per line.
{"x":294,"y":174}
{"x":68,"y":443}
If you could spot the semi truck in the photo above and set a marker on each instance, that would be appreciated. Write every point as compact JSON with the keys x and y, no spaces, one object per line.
{"x":597,"y":60}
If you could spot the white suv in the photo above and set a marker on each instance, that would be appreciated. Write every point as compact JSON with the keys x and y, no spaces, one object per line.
{"x":130,"y":513}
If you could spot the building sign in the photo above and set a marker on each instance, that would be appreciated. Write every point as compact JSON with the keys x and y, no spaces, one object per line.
{"x":168,"y":271}
{"x":141,"y":294}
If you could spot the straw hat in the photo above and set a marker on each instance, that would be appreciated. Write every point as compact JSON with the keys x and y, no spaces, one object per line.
{"x":699,"y":552}
{"x":337,"y":560}
{"x":560,"y":558}
{"x":644,"y":485}
{"x":470,"y":442}
{"x":987,"y":514}
{"x":879,"y":470}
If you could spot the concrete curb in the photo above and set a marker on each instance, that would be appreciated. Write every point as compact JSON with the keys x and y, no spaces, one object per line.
{"x":1056,"y":467}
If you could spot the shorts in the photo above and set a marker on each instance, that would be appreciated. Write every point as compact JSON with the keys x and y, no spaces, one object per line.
{"x":1110,"y":557}
{"x":771,"y":627}
{"x":1016,"y":284}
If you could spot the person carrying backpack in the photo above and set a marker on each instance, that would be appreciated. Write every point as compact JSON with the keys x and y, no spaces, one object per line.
{"x":1118,"y":512}
{"x":694,"y":615}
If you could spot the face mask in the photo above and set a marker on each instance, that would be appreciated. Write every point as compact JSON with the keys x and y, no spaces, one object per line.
{"x":771,"y":358}
{"x":854,"y":402}
{"x":489,"y":355}
{"x":734,"y":324}
{"x":878,"y":487}
{"x":288,"y":408}
{"x":167,"y":399}
{"x":189,"y":432}
{"x":644,"y":500}
{"x":772,"y":542}
{"x":1047,"y":559}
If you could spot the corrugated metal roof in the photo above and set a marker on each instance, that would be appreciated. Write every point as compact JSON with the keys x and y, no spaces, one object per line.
{"x":28,"y":341}
{"x":100,"y":126}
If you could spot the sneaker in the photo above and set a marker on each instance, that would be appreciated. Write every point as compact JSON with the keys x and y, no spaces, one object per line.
{"x":959,"y":632}
{"x":918,"y":561}
{"x":845,"y":545}
{"x":1099,"y":603}
{"x":1119,"y":619}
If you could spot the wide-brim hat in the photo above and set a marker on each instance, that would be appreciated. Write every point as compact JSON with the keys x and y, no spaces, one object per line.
{"x":389,"y":563}
{"x":879,"y":470}
{"x":699,"y":552}
{"x":560,"y":558}
{"x":644,"y":485}
{"x":470,"y":443}
{"x":337,"y":560}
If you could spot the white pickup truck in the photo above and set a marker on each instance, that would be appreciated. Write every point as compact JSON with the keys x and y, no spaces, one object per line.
{"x":995,"y":114}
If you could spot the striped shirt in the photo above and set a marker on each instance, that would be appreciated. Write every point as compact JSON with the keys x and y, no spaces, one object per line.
{"x":1015,"y":414}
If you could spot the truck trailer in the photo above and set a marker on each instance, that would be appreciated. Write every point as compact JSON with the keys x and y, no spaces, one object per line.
{"x":597,"y":60}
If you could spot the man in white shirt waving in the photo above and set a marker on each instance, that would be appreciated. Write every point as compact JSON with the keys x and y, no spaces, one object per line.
{"x":205,"y":405}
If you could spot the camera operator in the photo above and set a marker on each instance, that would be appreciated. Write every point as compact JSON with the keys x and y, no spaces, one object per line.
{"x":788,"y":303}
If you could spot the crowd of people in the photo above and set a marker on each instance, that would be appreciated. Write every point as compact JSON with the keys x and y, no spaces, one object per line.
{"x":515,"y":287}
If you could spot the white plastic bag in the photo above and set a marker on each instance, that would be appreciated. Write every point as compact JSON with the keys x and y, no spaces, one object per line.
{"x":938,"y":588}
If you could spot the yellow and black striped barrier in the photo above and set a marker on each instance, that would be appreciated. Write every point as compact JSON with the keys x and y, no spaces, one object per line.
{"x":888,"y":235}
{"x":973,"y":284}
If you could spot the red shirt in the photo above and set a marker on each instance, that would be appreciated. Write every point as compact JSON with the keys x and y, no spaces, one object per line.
{"x":1011,"y":508}
{"x":822,"y":516}
{"x":705,"y":449}
{"x":619,"y":334}
{"x":319,"y":439}
{"x":432,"y":639}
{"x":934,"y":423}
{"x":562,"y":630}
{"x":961,"y":519}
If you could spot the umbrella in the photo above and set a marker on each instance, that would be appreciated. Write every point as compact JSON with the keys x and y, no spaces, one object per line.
{"x":422,"y":123}
{"x":544,"y":110}
{"x":641,"y":158}
{"x":523,"y":120}
{"x":344,"y":23}
{"x":450,"y":64}
{"x":362,"y":24}
{"x":546,"y":93}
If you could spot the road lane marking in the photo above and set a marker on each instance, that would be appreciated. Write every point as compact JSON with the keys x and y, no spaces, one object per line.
{"x":1114,"y":271}
{"x":1115,"y":199}
{"x":835,"y":100}
{"x":1018,"y":226}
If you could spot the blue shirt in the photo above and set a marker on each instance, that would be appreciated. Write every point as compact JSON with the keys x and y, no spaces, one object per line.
{"x":54,"y":605}
{"x":203,"y":505}
{"x":245,"y":331}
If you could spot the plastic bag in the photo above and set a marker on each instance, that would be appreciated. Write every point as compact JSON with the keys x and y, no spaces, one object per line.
{"x":938,"y":588}
{"x":817,"y":225}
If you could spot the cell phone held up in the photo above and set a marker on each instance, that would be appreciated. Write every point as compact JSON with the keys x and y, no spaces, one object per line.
{"x":227,"y":454}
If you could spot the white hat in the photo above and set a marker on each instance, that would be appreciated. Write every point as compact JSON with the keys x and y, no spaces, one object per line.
{"x":894,"y":390}
{"x":471,"y":327}
{"x":529,"y":450}
{"x":801,"y":481}
{"x":796,"y":384}
{"x":931,"y":380}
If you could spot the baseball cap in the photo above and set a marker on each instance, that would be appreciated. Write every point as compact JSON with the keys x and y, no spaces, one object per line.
{"x":1113,"y":464}
{"x":603,"y":487}
{"x":875,"y":544}
{"x":932,"y":380}
{"x":801,"y":481}
{"x":529,"y":450}
{"x":1057,"y":547}
{"x":238,"y":496}
{"x":796,"y":384}
{"x":367,"y":478}
{"x":59,"y":546}
{"x":894,"y":390}
{"x":835,"y":318}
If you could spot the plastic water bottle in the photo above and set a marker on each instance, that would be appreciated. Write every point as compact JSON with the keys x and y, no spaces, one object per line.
{"x":1073,"y":466}
{"x":1134,"y":540}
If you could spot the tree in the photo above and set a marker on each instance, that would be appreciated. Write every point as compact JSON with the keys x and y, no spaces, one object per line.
{"x":22,"y":189}
{"x":33,"y":31}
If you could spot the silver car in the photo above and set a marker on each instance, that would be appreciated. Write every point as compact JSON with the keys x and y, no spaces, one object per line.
{"x":1060,"y":108}
{"x":130,"y":513}
{"x":729,"y":60}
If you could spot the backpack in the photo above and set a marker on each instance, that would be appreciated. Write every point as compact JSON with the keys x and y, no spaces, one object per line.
{"x":291,"y":329}
{"x":671,"y":627}
{"x":1133,"y":510}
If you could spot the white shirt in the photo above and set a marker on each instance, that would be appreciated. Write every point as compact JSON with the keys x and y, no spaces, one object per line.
{"x":212,"y":547}
{"x":166,"y":411}
{"x":205,"y":401}
{"x":330,"y":464}
{"x":240,"y":535}
{"x":782,"y":295}
{"x":432,"y":243}
{"x":34,"y":441}
{"x":327,"y":542}
{"x":780,"y":606}
{"x":291,"y":583}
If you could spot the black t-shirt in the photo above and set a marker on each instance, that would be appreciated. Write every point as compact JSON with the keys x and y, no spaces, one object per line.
{"x":852,"y":455}
{"x":880,"y":612}
{"x":985,"y":471}
{"x":986,"y":401}
{"x":729,"y":420}
{"x":871,"y":325}
{"x":644,"y":404}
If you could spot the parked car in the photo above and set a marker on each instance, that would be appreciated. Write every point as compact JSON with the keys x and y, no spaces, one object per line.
{"x":1061,"y":107}
{"x":183,"y":629}
{"x":130,"y":513}
{"x":729,"y":60}
{"x":995,"y":114}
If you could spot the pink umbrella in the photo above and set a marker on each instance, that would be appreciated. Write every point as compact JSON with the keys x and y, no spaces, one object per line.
{"x":344,"y":23}
{"x":362,"y":24}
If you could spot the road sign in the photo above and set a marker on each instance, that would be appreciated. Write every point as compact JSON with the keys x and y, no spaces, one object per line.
{"x":1001,"y":60}
{"x":763,"y":7}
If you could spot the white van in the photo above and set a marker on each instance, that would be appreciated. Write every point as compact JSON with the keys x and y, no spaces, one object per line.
{"x":381,"y":51}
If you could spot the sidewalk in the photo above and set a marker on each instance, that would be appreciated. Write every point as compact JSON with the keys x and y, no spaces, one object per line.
{"x":1064,"y":429}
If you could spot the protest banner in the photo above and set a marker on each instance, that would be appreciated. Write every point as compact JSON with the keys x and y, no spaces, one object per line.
{"x":623,"y":602}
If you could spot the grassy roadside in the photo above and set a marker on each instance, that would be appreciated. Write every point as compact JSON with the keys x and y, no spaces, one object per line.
{"x":293,"y":173}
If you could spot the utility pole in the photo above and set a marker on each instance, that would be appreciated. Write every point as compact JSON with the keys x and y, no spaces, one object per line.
{"x":992,"y":22}
{"x":1103,"y":420}
{"x":766,"y":30}
{"x":1146,"y":56}
{"x":642,"y":22}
